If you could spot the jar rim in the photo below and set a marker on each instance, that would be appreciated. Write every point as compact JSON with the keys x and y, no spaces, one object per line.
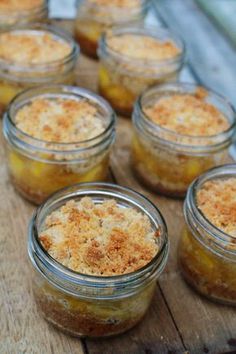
{"x":37,"y":68}
{"x":99,"y":190}
{"x":220,"y":237}
{"x":10,"y":128}
{"x":144,"y":30}
{"x":112,"y":7}
{"x":185,"y":87}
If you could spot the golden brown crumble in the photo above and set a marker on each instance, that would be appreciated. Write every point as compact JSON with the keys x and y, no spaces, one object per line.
{"x":142,"y":47}
{"x":217,"y":201}
{"x":60,"y":120}
{"x":100,"y":239}
{"x":32,"y":47}
{"x":188,"y":114}
{"x":118,"y":3}
{"x":20,"y":5}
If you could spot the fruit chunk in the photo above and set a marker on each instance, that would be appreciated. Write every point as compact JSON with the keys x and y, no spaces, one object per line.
{"x":8,"y":92}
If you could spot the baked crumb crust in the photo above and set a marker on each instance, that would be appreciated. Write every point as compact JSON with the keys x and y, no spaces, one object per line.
{"x":217,"y":201}
{"x":32,"y":47}
{"x":187,"y":114}
{"x":99,"y":239}
{"x":142,"y":47}
{"x":60,"y":120}
{"x":20,"y":5}
{"x":117,"y":3}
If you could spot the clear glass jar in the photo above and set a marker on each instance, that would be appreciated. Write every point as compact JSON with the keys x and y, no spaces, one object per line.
{"x":167,"y":162}
{"x":122,"y":78}
{"x":207,"y":255}
{"x":87,"y":305}
{"x":94,"y":19}
{"x":15,"y":78}
{"x":10,"y":16}
{"x":38,"y":168}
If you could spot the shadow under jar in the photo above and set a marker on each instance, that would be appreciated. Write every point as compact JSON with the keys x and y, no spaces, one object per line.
{"x":180,"y":131}
{"x":95,"y":304}
{"x":33,"y":55}
{"x":57,"y":136}
{"x":14,"y":13}
{"x":96,"y":16}
{"x":207,"y":249}
{"x":134,"y":58}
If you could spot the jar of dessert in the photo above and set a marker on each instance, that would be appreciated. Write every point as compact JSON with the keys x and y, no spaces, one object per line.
{"x":134,"y":58}
{"x":207,"y":250}
{"x":180,"y":131}
{"x":97,"y":16}
{"x":34,"y":55}
{"x":97,"y":250}
{"x":15,"y":12}
{"x":57,"y":136}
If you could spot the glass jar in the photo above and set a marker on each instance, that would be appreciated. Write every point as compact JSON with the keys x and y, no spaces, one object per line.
{"x":207,"y":255}
{"x":123,"y":78}
{"x":38,"y":168}
{"x":95,"y":18}
{"x":12,"y":15}
{"x":15,"y":77}
{"x":166,"y":161}
{"x":87,"y":305}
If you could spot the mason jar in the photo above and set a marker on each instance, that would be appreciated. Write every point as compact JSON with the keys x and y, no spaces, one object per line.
{"x":123,"y":77}
{"x":167,"y":161}
{"x":22,"y":12}
{"x":16,"y":77}
{"x":38,"y":168}
{"x":207,"y":255}
{"x":95,"y":17}
{"x":89,"y":305}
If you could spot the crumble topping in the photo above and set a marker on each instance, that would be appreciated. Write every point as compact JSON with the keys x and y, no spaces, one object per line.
{"x":62,"y":120}
{"x":217,"y":201}
{"x":20,"y":5}
{"x":117,"y":3}
{"x":142,"y":47}
{"x":99,"y":239}
{"x":32,"y":47}
{"x":188,"y":114}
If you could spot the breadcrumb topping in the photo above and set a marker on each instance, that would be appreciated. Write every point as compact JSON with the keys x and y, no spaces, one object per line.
{"x":13,"y":5}
{"x":217,"y":201}
{"x":142,"y":47}
{"x":99,"y":239}
{"x":32,"y":47}
{"x":118,"y":3}
{"x":60,"y":120}
{"x":188,"y":114}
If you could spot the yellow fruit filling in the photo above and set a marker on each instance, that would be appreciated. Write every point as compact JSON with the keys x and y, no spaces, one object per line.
{"x":209,"y":273}
{"x":37,"y":180}
{"x":167,"y":171}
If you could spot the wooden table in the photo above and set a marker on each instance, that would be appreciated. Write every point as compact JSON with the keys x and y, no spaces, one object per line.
{"x":179,"y":321}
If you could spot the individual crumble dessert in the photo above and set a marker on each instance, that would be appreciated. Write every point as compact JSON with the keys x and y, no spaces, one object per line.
{"x":185,"y":140}
{"x":134,"y":60}
{"x":32,"y":56}
{"x":65,"y":143}
{"x":211,"y":270}
{"x":108,"y":242}
{"x":14,"y":12}
{"x":97,"y":16}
